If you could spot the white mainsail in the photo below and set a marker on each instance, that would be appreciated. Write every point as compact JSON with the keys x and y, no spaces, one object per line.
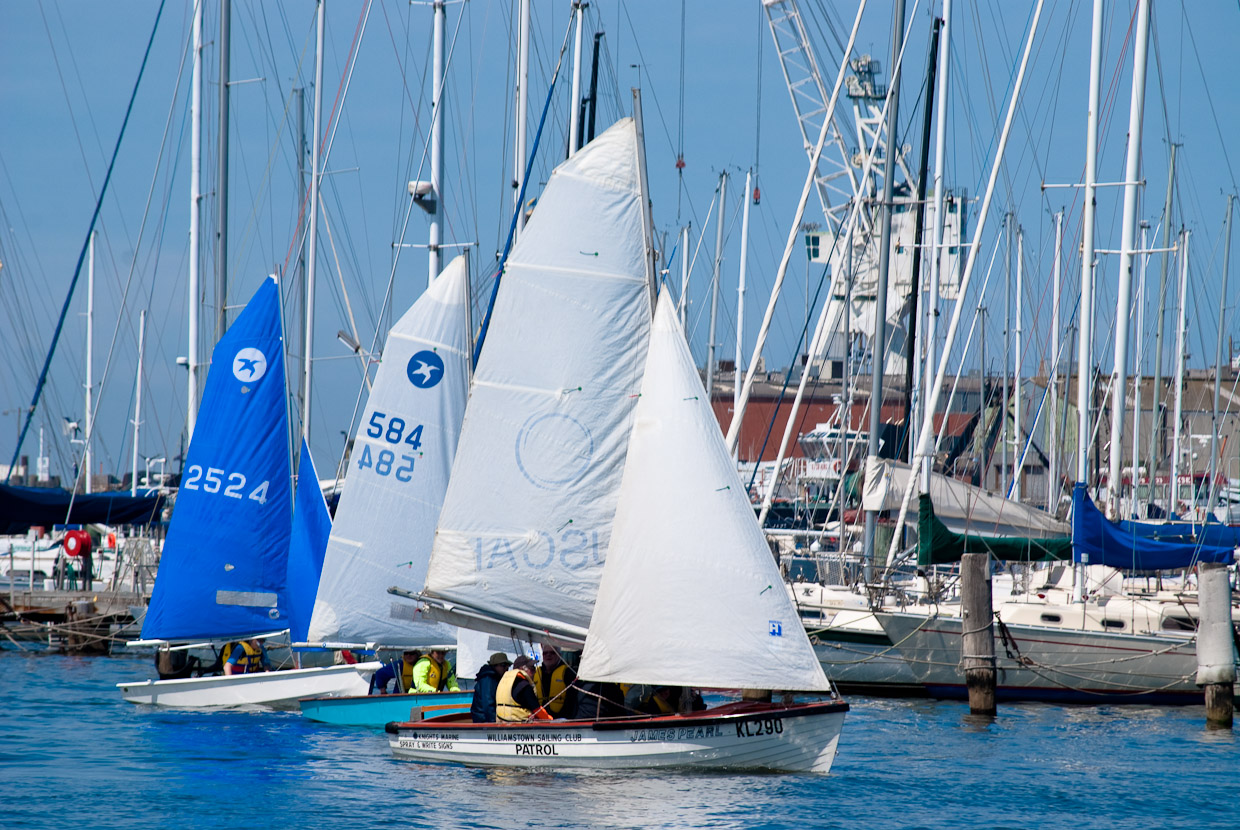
{"x":690,"y":594}
{"x":398,"y":474}
{"x":527,"y":517}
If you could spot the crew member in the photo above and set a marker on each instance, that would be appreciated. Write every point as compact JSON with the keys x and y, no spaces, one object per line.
{"x":515,"y":700}
{"x":399,"y":670}
{"x":482,"y":710}
{"x":553,"y":682}
{"x":247,"y":657}
{"x":433,"y":673}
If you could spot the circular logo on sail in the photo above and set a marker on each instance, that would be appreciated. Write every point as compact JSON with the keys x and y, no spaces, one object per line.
{"x":553,"y":450}
{"x":249,"y":365}
{"x":425,"y":369}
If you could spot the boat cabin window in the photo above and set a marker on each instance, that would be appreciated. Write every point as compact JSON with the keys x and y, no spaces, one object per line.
{"x":1051,"y":618}
{"x":1178,"y":624}
{"x":1112,"y":623}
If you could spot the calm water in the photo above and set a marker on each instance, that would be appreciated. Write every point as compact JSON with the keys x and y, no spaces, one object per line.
{"x":73,"y":754}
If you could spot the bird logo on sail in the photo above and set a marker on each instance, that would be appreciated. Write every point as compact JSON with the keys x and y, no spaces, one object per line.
{"x":425,"y":369}
{"x":249,"y":365}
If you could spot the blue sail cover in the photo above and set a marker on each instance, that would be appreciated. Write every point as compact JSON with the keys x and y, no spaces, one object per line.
{"x":1098,"y":541}
{"x":311,"y":527}
{"x":225,"y":563}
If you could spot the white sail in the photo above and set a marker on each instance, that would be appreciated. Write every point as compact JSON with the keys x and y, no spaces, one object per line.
{"x":690,"y":594}
{"x":398,"y":474}
{"x":527,"y":517}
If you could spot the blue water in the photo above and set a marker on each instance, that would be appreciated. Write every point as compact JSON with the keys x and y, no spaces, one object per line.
{"x":73,"y":754}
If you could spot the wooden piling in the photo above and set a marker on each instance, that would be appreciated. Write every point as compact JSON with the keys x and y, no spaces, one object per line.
{"x":977,"y":641}
{"x":1216,"y":667}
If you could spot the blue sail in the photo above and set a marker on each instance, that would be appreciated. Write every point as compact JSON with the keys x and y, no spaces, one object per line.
{"x":224,"y":566}
{"x":311,"y":527}
{"x":1099,"y":541}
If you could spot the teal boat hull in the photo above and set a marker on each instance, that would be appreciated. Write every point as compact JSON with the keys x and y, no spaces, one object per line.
{"x":377,"y":710}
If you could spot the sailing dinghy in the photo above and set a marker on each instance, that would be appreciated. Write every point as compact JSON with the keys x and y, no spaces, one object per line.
{"x":588,"y":433}
{"x":394,"y":489}
{"x":224,"y":574}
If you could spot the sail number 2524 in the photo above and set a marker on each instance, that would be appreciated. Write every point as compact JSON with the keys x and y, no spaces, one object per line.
{"x":216,"y":480}
{"x":402,"y":436}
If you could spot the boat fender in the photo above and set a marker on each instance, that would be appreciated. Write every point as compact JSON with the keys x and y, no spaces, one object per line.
{"x":76,"y":542}
{"x":391,"y":727}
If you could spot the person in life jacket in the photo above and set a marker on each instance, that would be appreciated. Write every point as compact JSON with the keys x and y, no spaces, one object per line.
{"x":553,"y":683}
{"x":515,"y":700}
{"x":399,"y":670}
{"x":482,"y":708}
{"x":247,"y":657}
{"x":433,"y":673}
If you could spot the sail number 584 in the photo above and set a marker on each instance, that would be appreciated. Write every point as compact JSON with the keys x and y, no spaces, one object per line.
{"x":394,"y":430}
{"x":215,"y":480}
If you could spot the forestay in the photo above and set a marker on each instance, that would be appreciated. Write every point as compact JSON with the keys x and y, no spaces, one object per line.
{"x":224,"y":565}
{"x":690,"y":594}
{"x":398,"y":474}
{"x":527,"y":517}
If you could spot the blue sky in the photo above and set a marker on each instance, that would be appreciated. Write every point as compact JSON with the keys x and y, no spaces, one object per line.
{"x":69,"y":69}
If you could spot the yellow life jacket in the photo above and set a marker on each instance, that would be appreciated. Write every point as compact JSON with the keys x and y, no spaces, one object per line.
{"x":507,"y":709}
{"x":406,"y":676}
{"x":251,"y":659}
{"x":550,"y":690}
{"x":664,"y":707}
{"x":226,"y":652}
{"x":438,"y":676}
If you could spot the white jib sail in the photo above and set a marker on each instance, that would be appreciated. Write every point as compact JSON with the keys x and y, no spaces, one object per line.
{"x":398,"y":474}
{"x":690,"y":594}
{"x":527,"y":518}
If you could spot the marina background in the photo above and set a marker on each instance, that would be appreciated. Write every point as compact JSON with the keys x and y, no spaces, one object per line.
{"x":73,"y":754}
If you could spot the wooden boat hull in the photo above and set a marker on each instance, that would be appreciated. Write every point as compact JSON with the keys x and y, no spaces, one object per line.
{"x":1052,"y":664}
{"x":795,"y":738}
{"x":377,"y":710}
{"x":276,"y":689}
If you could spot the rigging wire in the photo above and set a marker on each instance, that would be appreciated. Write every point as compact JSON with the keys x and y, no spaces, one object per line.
{"x":77,"y":273}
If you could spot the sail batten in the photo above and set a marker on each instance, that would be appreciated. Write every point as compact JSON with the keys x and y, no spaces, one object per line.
{"x":528,"y":513}
{"x":398,"y":470}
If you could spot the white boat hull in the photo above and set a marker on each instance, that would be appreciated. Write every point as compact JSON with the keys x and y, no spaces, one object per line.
{"x":797,"y":738}
{"x":1052,"y":664}
{"x":276,"y":689}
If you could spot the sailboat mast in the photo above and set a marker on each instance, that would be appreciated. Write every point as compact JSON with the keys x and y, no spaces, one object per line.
{"x":1017,"y":430}
{"x":1005,"y":400}
{"x":1052,"y":480}
{"x":221,"y":186}
{"x":523,"y":82}
{"x":137,"y":403}
{"x":643,"y":183}
{"x":574,"y":101}
{"x":1137,"y":373}
{"x":437,"y":120}
{"x":714,"y":286}
{"x":1157,"y":435}
{"x":195,"y":203}
{"x":87,"y":458}
{"x":740,"y":300}
{"x":1086,"y":334}
{"x":312,"y":239}
{"x":684,"y":275}
{"x":1173,"y":500}
{"x":936,"y":247}
{"x":1132,"y":170}
{"x":1218,"y":358}
{"x":879,"y":342}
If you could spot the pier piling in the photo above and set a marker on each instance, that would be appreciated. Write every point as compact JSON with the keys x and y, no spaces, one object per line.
{"x":1216,"y":667}
{"x":977,"y":641}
